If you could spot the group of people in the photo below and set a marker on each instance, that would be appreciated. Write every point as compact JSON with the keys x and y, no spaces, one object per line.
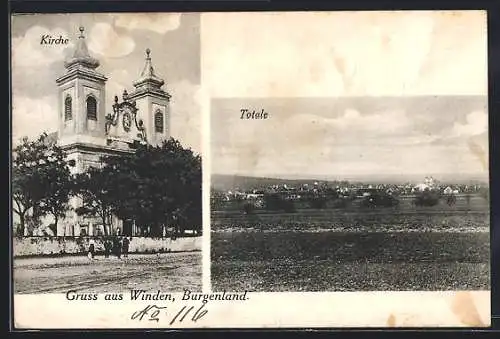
{"x":115,"y":245}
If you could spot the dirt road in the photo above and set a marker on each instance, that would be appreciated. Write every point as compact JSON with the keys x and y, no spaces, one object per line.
{"x":168,"y":272}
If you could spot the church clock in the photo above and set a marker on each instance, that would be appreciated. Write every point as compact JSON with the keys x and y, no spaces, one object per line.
{"x":127,"y":120}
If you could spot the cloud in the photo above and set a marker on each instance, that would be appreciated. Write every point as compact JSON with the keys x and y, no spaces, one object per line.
{"x":28,"y":52}
{"x":476,"y":123}
{"x":29,"y":114}
{"x":106,"y":41}
{"x":156,"y":22}
{"x":348,"y":136}
{"x":119,"y":80}
{"x":353,"y":122}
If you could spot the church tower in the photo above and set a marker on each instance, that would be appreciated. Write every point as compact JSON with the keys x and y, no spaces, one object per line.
{"x":81,"y":130}
{"x":152,"y":103}
{"x":81,"y":99}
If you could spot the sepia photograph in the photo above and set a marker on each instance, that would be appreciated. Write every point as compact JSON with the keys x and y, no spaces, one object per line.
{"x":351,"y":194}
{"x":359,"y":161}
{"x":106,"y":164}
{"x":250,"y":170}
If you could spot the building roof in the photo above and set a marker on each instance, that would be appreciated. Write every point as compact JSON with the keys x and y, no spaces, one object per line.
{"x":81,"y":55}
{"x":149,"y":82}
{"x":148,"y":73}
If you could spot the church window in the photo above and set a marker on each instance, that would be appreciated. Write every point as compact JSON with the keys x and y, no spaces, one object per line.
{"x":91,"y":108}
{"x":67,"y":109}
{"x":159,"y":121}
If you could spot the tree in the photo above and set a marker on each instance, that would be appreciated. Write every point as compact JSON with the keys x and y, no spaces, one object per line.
{"x":276,"y":202}
{"x":249,"y":208}
{"x":318,"y":201}
{"x":158,"y":185}
{"x":217,"y":199}
{"x":155,"y":186}
{"x":58,"y":191}
{"x":40,"y":180}
{"x":94,"y":187}
{"x":427,"y":198}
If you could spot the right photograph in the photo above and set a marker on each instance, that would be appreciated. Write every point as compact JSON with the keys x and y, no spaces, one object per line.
{"x":350,"y":193}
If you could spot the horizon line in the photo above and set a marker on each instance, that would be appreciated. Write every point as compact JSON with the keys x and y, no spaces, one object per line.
{"x":330,"y":177}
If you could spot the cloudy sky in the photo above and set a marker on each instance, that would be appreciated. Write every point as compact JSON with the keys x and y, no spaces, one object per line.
{"x":119,"y":42}
{"x":351,"y":137}
{"x":349,"y":94}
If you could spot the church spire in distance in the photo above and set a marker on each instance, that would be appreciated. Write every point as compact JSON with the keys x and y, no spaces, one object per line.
{"x":81,"y":55}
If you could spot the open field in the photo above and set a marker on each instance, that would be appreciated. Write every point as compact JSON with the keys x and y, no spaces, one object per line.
{"x":295,"y":261}
{"x":383,"y":220}
{"x":474,"y":202}
{"x":341,"y":250}
{"x":167,"y":272}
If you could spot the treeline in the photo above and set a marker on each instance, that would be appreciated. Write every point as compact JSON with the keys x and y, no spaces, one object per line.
{"x":330,"y":199}
{"x":154,"y":186}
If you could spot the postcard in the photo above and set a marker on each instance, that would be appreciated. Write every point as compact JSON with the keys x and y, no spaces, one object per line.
{"x":250,"y":170}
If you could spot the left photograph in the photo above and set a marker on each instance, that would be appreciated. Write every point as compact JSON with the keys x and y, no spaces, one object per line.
{"x":106,"y":152}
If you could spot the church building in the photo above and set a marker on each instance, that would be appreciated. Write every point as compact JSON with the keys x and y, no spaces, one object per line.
{"x":90,"y":128}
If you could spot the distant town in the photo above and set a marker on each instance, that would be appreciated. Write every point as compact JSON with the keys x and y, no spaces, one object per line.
{"x":318,"y":193}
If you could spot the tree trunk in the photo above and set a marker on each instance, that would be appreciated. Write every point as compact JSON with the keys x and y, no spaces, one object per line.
{"x":157,"y":230}
{"x":22,"y":225}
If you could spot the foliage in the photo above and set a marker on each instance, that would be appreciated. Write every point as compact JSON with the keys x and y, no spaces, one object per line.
{"x":94,"y":187}
{"x":40,"y":180}
{"x":155,"y":186}
{"x":427,"y":198}
{"x":216,"y":199}
{"x":277,"y":202}
{"x":342,"y":202}
{"x":248,"y":208}
{"x":380,"y":200}
{"x":318,"y":201}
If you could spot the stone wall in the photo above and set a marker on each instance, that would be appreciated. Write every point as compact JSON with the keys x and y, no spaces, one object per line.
{"x":40,"y":246}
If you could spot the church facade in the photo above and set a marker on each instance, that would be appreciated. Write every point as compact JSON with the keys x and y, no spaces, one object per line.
{"x":90,"y":128}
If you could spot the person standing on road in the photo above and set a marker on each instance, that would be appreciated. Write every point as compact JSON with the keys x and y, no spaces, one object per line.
{"x":125,"y":245}
{"x":117,"y":248}
{"x":107,"y":247}
{"x":91,"y":251}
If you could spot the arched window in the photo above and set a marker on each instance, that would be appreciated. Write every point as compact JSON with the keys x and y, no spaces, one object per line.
{"x":159,"y":121}
{"x":67,"y":109}
{"x":91,"y":108}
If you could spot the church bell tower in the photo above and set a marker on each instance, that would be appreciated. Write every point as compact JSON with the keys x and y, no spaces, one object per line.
{"x":152,"y":103}
{"x":81,"y":123}
{"x":81,"y":99}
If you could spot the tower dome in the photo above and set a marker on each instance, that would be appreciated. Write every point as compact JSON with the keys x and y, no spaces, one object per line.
{"x":81,"y":55}
{"x":148,"y":80}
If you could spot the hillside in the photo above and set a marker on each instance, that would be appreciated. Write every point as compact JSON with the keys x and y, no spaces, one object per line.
{"x":231,"y":182}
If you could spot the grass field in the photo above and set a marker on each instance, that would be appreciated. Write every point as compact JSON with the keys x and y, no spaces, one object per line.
{"x":342,"y":250}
